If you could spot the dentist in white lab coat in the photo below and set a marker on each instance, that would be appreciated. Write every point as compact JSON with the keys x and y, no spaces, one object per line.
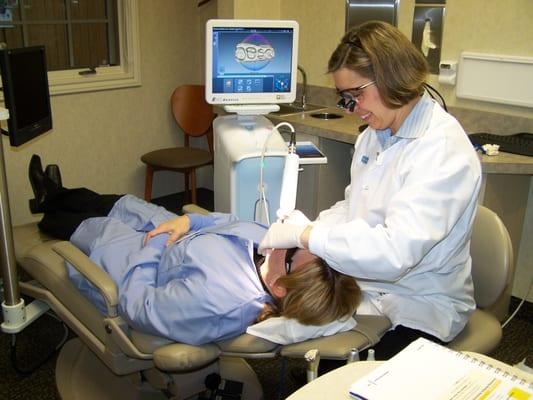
{"x":403,"y":229}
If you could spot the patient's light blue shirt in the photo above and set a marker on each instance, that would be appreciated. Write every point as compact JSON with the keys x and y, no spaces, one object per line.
{"x":203,"y":288}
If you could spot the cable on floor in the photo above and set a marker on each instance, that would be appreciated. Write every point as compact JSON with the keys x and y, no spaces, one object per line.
{"x":36,"y":366}
{"x":519,"y":305}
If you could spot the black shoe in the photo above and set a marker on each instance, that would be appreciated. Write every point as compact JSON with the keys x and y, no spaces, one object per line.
{"x":52,"y":171}
{"x":37,"y":180}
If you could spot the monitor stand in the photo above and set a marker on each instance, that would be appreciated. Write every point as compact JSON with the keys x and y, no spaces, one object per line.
{"x":251,"y":109}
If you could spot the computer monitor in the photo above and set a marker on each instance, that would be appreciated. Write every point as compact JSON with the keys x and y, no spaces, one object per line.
{"x":26,"y":93}
{"x":251,"y":61}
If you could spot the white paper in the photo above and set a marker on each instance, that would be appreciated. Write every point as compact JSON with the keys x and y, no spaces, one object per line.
{"x":426,"y":370}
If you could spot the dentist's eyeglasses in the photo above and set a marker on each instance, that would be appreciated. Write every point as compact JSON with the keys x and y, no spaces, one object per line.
{"x":288,"y":259}
{"x":352,"y":96}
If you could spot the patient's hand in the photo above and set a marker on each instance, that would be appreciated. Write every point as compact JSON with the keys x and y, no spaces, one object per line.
{"x":176,"y":228}
{"x":157,"y":242}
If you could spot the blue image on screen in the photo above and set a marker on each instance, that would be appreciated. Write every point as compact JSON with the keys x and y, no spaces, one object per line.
{"x":252,"y":60}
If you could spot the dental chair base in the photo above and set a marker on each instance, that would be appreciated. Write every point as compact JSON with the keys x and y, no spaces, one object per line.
{"x":80,"y":375}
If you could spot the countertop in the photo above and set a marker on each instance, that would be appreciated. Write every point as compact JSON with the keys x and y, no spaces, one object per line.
{"x":346,"y":130}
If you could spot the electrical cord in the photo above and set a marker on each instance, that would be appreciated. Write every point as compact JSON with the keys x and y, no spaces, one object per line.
{"x":431,"y":89}
{"x":262,"y":198}
{"x":33,"y":368}
{"x":519,"y":305}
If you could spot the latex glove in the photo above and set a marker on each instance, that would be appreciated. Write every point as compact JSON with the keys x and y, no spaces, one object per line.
{"x":175,"y":228}
{"x":297,"y":218}
{"x":281,"y":236}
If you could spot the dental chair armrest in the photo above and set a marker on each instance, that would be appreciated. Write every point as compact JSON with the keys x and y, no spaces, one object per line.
{"x":180,"y":357}
{"x":367,"y":332}
{"x":194,"y":209}
{"x":92,"y":272}
{"x":248,"y":346}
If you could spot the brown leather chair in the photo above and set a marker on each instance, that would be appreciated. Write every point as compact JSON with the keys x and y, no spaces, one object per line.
{"x":195,"y":117}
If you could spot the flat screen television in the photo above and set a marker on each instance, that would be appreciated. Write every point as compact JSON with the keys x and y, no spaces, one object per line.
{"x":26,"y":93}
{"x":251,"y":61}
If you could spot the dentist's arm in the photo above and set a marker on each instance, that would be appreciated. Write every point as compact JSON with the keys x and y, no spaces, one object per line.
{"x":304,"y":237}
{"x":285,"y":236}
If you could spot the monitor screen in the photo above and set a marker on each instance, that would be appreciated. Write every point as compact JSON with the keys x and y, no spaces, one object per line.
{"x":26,"y":94}
{"x":251,"y":61}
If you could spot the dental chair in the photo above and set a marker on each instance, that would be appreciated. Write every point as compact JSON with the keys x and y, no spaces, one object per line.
{"x":492,"y":272}
{"x":109,"y":359}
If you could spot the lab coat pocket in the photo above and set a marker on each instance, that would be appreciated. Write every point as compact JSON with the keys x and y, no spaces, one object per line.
{"x":382,"y":181}
{"x":376,"y":190}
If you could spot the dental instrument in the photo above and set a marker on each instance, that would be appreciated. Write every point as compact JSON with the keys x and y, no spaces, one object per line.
{"x":289,"y":183}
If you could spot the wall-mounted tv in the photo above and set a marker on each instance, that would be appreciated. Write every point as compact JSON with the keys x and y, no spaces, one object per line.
{"x":26,"y":93}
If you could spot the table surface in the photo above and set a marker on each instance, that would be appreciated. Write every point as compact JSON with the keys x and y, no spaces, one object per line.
{"x":335,"y":384}
{"x":345,"y":130}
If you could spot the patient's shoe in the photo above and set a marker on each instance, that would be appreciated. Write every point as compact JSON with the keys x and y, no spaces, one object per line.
{"x":37,"y":180}
{"x":52,"y":171}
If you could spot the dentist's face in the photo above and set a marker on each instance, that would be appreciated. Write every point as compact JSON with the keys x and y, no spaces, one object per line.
{"x":274,"y":267}
{"x":370,"y":108}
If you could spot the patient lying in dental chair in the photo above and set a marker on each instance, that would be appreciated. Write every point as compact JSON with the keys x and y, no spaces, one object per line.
{"x":208,"y":285}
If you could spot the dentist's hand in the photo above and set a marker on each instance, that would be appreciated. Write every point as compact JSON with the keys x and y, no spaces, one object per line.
{"x":176,"y":228}
{"x":282,"y":236}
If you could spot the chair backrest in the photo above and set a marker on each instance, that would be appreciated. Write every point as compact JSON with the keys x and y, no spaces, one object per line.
{"x":492,"y":257}
{"x":192,"y":113}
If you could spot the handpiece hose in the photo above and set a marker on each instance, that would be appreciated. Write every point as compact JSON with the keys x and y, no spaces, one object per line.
{"x":289,"y":186}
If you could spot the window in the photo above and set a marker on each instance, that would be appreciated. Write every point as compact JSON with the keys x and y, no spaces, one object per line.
{"x":90,"y":44}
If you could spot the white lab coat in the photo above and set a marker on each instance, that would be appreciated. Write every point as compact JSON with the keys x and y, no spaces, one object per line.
{"x":403,"y":229}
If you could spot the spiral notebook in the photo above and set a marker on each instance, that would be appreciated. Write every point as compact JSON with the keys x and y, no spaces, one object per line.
{"x":426,"y":370}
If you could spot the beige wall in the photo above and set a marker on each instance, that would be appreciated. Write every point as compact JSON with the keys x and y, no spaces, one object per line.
{"x":489,"y":26}
{"x":257,"y":9}
{"x":247,"y":9}
{"x":98,"y":137}
{"x":321,"y":27}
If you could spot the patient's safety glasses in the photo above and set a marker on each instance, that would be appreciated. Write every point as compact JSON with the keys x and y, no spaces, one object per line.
{"x":352,"y":96}
{"x":288,"y":259}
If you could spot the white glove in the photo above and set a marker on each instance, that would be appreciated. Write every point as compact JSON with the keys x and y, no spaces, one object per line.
{"x":281,"y":236}
{"x":296,"y":218}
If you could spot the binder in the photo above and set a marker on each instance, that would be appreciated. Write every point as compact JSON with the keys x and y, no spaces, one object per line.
{"x":426,"y":370}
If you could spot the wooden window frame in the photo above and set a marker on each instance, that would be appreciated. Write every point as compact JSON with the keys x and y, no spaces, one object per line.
{"x":127,"y":74}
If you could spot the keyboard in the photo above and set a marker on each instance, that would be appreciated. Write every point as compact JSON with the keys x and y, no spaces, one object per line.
{"x":519,"y":143}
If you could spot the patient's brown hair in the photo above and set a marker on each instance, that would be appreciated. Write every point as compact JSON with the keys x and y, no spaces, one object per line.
{"x":316,"y":295}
